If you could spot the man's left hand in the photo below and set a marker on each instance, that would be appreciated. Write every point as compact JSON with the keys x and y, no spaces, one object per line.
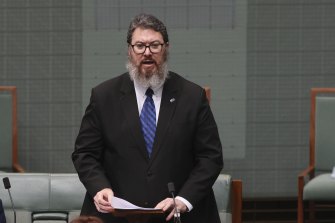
{"x":168,"y":205}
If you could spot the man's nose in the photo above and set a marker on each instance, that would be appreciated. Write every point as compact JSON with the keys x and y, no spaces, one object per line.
{"x":147,"y":51}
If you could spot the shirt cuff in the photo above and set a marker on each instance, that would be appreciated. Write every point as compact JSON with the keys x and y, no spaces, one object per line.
{"x":186,"y":202}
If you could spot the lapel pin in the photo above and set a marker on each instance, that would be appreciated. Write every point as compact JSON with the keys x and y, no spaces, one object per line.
{"x":172,"y":100}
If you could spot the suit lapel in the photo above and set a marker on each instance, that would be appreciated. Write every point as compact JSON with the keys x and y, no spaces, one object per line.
{"x":130,"y":109}
{"x":167,"y":109}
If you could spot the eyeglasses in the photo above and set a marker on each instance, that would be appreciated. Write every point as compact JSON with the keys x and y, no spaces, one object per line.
{"x":140,"y":48}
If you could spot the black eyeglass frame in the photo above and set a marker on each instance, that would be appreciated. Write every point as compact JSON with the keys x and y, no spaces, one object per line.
{"x":148,"y":46}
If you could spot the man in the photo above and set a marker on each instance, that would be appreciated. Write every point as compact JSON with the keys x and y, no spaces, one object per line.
{"x":134,"y":141}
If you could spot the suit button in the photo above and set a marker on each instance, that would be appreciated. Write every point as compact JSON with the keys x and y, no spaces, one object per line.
{"x":149,"y":174}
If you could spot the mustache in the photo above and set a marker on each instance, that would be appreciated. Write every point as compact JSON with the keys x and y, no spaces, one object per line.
{"x":148,"y":61}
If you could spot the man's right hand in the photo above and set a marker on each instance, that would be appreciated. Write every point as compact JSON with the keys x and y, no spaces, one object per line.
{"x":102,"y":200}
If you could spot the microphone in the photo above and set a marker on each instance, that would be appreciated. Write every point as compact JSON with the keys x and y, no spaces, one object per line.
{"x":6,"y":183}
{"x":176,"y":211}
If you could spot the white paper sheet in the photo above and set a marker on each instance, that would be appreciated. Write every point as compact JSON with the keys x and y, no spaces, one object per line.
{"x":119,"y":203}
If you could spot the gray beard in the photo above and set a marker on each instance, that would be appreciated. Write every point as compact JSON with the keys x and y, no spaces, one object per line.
{"x":156,"y":80}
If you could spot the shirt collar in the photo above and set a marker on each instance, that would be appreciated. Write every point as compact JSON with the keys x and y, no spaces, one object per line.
{"x":141,"y":90}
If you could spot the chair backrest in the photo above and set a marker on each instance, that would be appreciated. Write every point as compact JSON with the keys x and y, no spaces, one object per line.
{"x":228,"y":196}
{"x":30,"y":191}
{"x":8,"y":130}
{"x":322,"y":131}
{"x":43,"y":197}
{"x":222,"y":191}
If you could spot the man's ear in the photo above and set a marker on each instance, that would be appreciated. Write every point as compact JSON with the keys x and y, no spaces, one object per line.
{"x":167,"y":44}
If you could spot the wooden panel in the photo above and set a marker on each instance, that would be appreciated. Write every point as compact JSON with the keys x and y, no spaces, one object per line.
{"x":12,"y":91}
{"x":236,"y":201}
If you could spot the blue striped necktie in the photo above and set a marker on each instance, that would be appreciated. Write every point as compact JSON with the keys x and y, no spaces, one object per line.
{"x":148,"y":120}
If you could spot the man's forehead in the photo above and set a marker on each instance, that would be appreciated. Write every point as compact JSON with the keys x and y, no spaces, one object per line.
{"x":146,"y":34}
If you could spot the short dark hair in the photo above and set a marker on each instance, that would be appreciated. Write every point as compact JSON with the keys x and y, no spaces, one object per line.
{"x":148,"y":22}
{"x":87,"y":219}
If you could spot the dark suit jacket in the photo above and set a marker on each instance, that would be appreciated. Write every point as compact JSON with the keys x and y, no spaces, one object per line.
{"x":2,"y":213}
{"x":110,"y":149}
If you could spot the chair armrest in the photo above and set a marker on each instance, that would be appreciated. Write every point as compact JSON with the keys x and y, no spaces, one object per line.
{"x":236,"y":201}
{"x":309,"y":171}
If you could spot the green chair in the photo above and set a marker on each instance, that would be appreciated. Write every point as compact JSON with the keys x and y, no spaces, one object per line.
{"x":228,"y":196}
{"x":8,"y":130}
{"x":315,"y":184}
